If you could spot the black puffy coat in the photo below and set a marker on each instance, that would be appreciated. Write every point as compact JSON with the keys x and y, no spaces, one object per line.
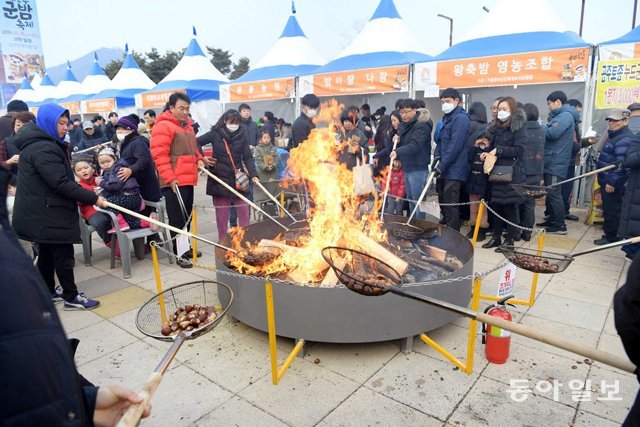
{"x":300,"y":131}
{"x":135,"y":151}
{"x":626,"y":313}
{"x":251,"y":130}
{"x":510,"y":144}
{"x":46,"y":209}
{"x":630,"y":213}
{"x":242,"y":158}
{"x":477,"y":180}
{"x":414,"y":148}
{"x":534,"y":153}
{"x":39,"y":384}
{"x":613,"y":151}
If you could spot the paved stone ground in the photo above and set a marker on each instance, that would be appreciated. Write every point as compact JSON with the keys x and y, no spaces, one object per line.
{"x":224,"y":377}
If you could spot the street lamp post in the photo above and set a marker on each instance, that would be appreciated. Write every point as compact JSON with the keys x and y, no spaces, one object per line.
{"x":450,"y":27}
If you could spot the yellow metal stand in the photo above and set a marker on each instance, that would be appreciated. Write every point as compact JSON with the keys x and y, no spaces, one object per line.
{"x":476,"y":229}
{"x":281,"y":203}
{"x":194,"y":230}
{"x":156,"y":269}
{"x":277,"y":373}
{"x":467,"y":368}
{"x":534,"y":285}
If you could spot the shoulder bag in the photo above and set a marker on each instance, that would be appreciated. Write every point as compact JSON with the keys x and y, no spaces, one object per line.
{"x":242,"y":180}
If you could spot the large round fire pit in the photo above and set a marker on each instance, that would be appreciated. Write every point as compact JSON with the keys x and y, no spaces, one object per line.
{"x":338,"y":315}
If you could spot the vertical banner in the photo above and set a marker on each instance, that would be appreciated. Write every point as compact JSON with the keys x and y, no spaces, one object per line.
{"x":618,"y":83}
{"x":507,"y":280}
{"x":20,"y":40}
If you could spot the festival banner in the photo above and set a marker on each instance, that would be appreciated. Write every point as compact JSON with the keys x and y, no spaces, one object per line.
{"x":553,"y":66}
{"x":73,"y":107}
{"x":100,"y":105}
{"x":20,"y":40}
{"x":618,"y":83}
{"x":371,"y":80}
{"x":259,"y":90}
{"x":157,"y":99}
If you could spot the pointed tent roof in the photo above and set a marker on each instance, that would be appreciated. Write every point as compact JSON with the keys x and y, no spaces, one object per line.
{"x":69,"y":85}
{"x":291,"y":55}
{"x":95,"y":82}
{"x":129,"y":81}
{"x":632,"y":36}
{"x":37,"y":79}
{"x":515,"y":26}
{"x":363,"y":53}
{"x":194,"y":73}
{"x":25,"y":92}
{"x":45,"y":91}
{"x":626,"y":46}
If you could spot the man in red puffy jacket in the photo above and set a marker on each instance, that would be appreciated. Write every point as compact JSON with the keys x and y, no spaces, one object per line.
{"x":175,"y":153}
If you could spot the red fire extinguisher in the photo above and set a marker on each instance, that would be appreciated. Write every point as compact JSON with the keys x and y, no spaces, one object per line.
{"x":497,"y":341}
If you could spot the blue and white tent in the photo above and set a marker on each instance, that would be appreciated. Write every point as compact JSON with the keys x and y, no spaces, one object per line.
{"x":195,"y":74}
{"x":384,"y":41}
{"x":25,"y":92}
{"x":96,"y":81}
{"x":45,"y":91}
{"x":624,"y":47}
{"x":129,"y":81}
{"x":69,"y":85}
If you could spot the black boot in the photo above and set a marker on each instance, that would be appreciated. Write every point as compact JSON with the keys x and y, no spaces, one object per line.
{"x":493,"y":243}
{"x":482,"y":235}
{"x":507,"y":242}
{"x":470,"y":233}
{"x":526,"y":236}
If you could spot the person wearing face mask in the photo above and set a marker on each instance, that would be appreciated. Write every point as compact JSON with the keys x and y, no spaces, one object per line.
{"x":303,"y":125}
{"x":509,"y":138}
{"x":230,"y":152}
{"x":174,"y":150}
{"x":451,"y":152}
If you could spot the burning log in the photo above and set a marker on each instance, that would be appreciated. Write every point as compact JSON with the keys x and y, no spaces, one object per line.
{"x":331,"y":278}
{"x":297,"y":275}
{"x":376,"y":250}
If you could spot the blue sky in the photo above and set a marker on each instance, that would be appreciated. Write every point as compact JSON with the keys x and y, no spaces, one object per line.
{"x":249,"y":27}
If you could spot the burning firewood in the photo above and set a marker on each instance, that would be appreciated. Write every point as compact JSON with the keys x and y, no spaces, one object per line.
{"x":376,"y":250}
{"x":331,"y":278}
{"x":296,"y":274}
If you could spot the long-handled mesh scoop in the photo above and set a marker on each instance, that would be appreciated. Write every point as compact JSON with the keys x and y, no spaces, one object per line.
{"x":548,"y":262}
{"x":347,"y":264}
{"x":537,"y":191}
{"x":256,"y":256}
{"x":152,"y":316}
{"x":405,"y":230}
{"x":396,"y":138}
{"x":275,"y":200}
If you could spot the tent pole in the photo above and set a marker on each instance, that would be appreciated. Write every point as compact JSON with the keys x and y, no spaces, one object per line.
{"x":587,"y":115}
{"x":297,"y":103}
{"x":582,"y":17}
{"x":635,"y":10}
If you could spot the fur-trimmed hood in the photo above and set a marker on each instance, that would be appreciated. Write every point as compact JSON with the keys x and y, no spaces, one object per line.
{"x":424,"y":115}
{"x":518,"y":120}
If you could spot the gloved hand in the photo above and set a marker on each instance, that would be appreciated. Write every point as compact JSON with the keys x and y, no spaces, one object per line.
{"x":436,"y":159}
{"x":436,"y":172}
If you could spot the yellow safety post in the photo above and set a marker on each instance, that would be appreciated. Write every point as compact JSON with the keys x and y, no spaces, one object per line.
{"x":277,"y":374}
{"x":194,"y":230}
{"x":281,"y":203}
{"x":156,"y":269}
{"x":476,"y":229}
{"x":534,"y":285}
{"x":467,"y":368}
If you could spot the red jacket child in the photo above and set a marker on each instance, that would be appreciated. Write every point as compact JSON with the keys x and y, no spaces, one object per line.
{"x":87,"y":210}
{"x":396,"y":186}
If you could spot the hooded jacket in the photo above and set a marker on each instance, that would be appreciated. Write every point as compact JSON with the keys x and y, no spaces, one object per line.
{"x":510,"y":144}
{"x":452,"y":145}
{"x":45,"y":209}
{"x":534,"y":154}
{"x":175,"y":150}
{"x":614,"y":151}
{"x":113,"y":185}
{"x":414,"y":148}
{"x":135,"y":151}
{"x":267,"y":161}
{"x":242,"y":158}
{"x":559,"y":140}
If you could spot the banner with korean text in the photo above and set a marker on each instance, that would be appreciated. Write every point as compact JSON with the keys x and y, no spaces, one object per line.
{"x":553,"y":66}
{"x":371,"y":80}
{"x":20,"y":40}
{"x":99,"y":105}
{"x":157,"y":99}
{"x":259,"y":90}
{"x":618,"y":83}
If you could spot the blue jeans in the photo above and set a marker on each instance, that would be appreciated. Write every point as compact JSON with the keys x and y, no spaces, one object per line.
{"x":414,"y":183}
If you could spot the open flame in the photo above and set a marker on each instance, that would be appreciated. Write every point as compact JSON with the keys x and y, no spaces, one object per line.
{"x":336,"y":217}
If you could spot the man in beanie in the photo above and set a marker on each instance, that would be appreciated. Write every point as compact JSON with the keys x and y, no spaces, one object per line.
{"x":46,"y":210}
{"x":6,"y":121}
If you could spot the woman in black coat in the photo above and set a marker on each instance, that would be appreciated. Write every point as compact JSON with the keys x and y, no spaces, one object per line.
{"x":630,"y":213}
{"x":227,"y":137}
{"x":383,"y":143}
{"x":509,"y":139}
{"x":46,"y":210}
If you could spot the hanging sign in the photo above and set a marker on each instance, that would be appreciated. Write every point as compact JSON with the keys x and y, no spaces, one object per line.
{"x":157,"y":99}
{"x":73,"y":107}
{"x":100,"y":105}
{"x":553,"y":66}
{"x":372,"y":80}
{"x":618,"y":83}
{"x":258,"y":91}
{"x":507,"y":280}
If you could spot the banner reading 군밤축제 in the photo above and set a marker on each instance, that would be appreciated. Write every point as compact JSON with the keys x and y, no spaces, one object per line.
{"x":20,"y":40}
{"x":618,"y":83}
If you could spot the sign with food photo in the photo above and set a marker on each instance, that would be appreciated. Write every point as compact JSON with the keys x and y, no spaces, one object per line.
{"x":20,"y":40}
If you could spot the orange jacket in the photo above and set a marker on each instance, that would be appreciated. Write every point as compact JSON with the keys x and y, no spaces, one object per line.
{"x":175,"y":150}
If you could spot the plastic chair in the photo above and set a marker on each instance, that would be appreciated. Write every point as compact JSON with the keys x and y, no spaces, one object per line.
{"x":136,"y":237}
{"x":85,"y":234}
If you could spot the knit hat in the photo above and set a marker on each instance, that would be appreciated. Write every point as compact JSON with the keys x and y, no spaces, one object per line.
{"x":17,"y":106}
{"x":108,"y":152}
{"x":126,"y":123}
